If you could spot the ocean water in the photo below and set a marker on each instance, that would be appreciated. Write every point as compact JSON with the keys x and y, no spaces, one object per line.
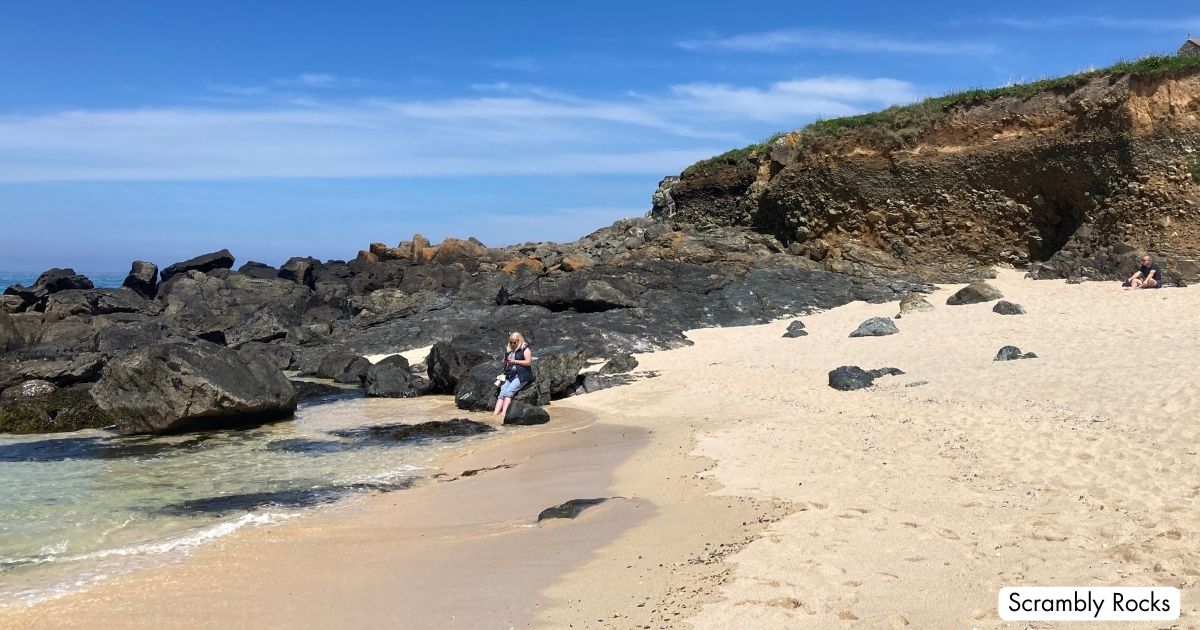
{"x":102,"y":279}
{"x":81,"y":507}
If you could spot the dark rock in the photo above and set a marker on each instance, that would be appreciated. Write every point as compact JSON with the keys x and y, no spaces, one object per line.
{"x":117,"y":335}
{"x":916,"y":383}
{"x":1012,"y":353}
{"x":142,"y":279}
{"x":175,"y":387}
{"x":264,"y":326}
{"x":448,"y":363}
{"x":11,"y":304}
{"x":795,"y":329}
{"x":64,"y":304}
{"x":1074,"y":280}
{"x":975,"y":293}
{"x":875,"y":327}
{"x":851,"y":377}
{"x":278,"y":355}
{"x":1004,"y":307}
{"x":29,"y":389}
{"x":62,"y":372}
{"x":391,"y":378}
{"x":258,"y":270}
{"x":355,"y":373}
{"x":52,"y":411}
{"x":521,"y":413}
{"x":458,"y":427}
{"x":299,"y":270}
{"x":10,"y":336}
{"x":50,"y":282}
{"x":476,"y":390}
{"x":570,"y":509}
{"x":203,"y":264}
{"x":335,"y":363}
{"x":205,"y":304}
{"x":619,"y":364}
{"x":308,"y":390}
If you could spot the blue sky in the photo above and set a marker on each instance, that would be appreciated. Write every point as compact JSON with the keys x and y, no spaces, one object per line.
{"x":161,"y":130}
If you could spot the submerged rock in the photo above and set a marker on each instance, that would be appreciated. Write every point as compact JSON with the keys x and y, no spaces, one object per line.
{"x":40,"y":407}
{"x":457,"y":427}
{"x":176,"y":387}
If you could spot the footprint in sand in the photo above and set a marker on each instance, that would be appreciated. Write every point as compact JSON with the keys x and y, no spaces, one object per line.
{"x":947,"y":534}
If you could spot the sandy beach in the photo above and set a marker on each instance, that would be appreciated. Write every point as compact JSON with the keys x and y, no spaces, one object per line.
{"x":748,"y":493}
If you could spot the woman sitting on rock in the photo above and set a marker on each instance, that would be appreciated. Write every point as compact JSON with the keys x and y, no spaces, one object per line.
{"x":518,"y":372}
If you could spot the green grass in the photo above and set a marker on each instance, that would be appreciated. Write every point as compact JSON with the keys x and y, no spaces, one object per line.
{"x":900,"y":125}
{"x":1194,"y":168}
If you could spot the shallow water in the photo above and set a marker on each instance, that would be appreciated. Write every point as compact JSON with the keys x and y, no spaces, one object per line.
{"x":75,"y":508}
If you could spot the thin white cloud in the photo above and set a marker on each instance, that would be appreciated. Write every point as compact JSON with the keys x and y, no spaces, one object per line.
{"x":508,"y":130}
{"x":1067,"y":22}
{"x":781,"y":41}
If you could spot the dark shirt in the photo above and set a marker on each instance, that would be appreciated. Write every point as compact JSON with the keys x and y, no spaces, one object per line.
{"x":523,"y":372}
{"x":1148,"y":271}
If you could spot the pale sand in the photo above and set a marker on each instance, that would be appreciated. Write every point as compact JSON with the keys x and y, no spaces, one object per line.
{"x":756,"y":496}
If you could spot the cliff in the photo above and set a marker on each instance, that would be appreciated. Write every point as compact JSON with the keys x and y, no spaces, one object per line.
{"x":1068,"y":177}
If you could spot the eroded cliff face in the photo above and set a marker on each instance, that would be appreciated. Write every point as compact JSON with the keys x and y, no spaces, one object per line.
{"x":1069,"y":182}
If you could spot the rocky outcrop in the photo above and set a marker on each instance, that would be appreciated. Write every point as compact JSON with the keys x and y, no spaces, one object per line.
{"x":142,"y":279}
{"x":50,"y":282}
{"x":448,"y":364}
{"x":1071,"y":179}
{"x":188,"y":386}
{"x":392,"y":378}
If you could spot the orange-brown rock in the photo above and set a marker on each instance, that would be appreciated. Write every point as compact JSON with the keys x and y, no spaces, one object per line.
{"x":529,"y":263}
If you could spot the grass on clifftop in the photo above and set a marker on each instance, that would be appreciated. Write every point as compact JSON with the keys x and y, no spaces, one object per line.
{"x":898,"y":126}
{"x":1194,"y":168}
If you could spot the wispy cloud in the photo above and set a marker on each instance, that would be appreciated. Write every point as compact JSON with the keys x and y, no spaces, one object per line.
{"x":505,"y":130}
{"x":781,"y":41}
{"x":302,"y":82}
{"x":1067,"y":22}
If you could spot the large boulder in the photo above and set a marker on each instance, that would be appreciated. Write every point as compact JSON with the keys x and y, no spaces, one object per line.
{"x":619,"y":364}
{"x":338,"y":363}
{"x":263,"y":326}
{"x":80,"y":368}
{"x":555,"y":371}
{"x":521,"y":413}
{"x":174,"y":387}
{"x":210,"y":306}
{"x":204,"y":264}
{"x":392,"y":378}
{"x":448,"y":363}
{"x":875,"y":327}
{"x":1004,"y":307}
{"x":975,"y":293}
{"x":255,"y":269}
{"x":299,"y":270}
{"x":477,"y":390}
{"x":142,"y":279}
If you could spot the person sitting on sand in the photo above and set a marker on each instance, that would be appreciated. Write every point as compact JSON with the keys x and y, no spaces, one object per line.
{"x":1148,"y":276}
{"x":518,"y":372}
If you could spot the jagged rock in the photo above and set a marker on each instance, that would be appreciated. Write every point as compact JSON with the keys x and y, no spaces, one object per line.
{"x":1012,"y":353}
{"x":79,"y":368}
{"x":29,"y":389}
{"x":875,"y":327}
{"x":142,"y":279}
{"x":795,"y":329}
{"x":278,"y":355}
{"x":53,"y":410}
{"x":258,"y":270}
{"x":263,"y":326}
{"x":914,"y":303}
{"x":974,"y":293}
{"x":851,"y":377}
{"x":1004,"y":307}
{"x":203,"y":264}
{"x":308,"y":390}
{"x":448,"y":363}
{"x":50,"y":282}
{"x":300,"y":270}
{"x":344,"y":367}
{"x":392,"y":378}
{"x":619,"y":364}
{"x":521,"y":413}
{"x":177,"y":387}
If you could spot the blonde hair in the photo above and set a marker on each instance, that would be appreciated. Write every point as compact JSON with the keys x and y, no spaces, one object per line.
{"x":519,"y":338}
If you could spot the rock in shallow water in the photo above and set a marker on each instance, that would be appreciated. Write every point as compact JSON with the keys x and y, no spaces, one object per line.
{"x":852,"y":377}
{"x":569,"y":509}
{"x":392,"y":378}
{"x":175,"y":387}
{"x":458,"y":427}
{"x":875,"y":327}
{"x":525,"y":414}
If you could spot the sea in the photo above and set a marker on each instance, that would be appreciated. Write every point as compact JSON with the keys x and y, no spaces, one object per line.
{"x":102,"y":279}
{"x":79,"y":508}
